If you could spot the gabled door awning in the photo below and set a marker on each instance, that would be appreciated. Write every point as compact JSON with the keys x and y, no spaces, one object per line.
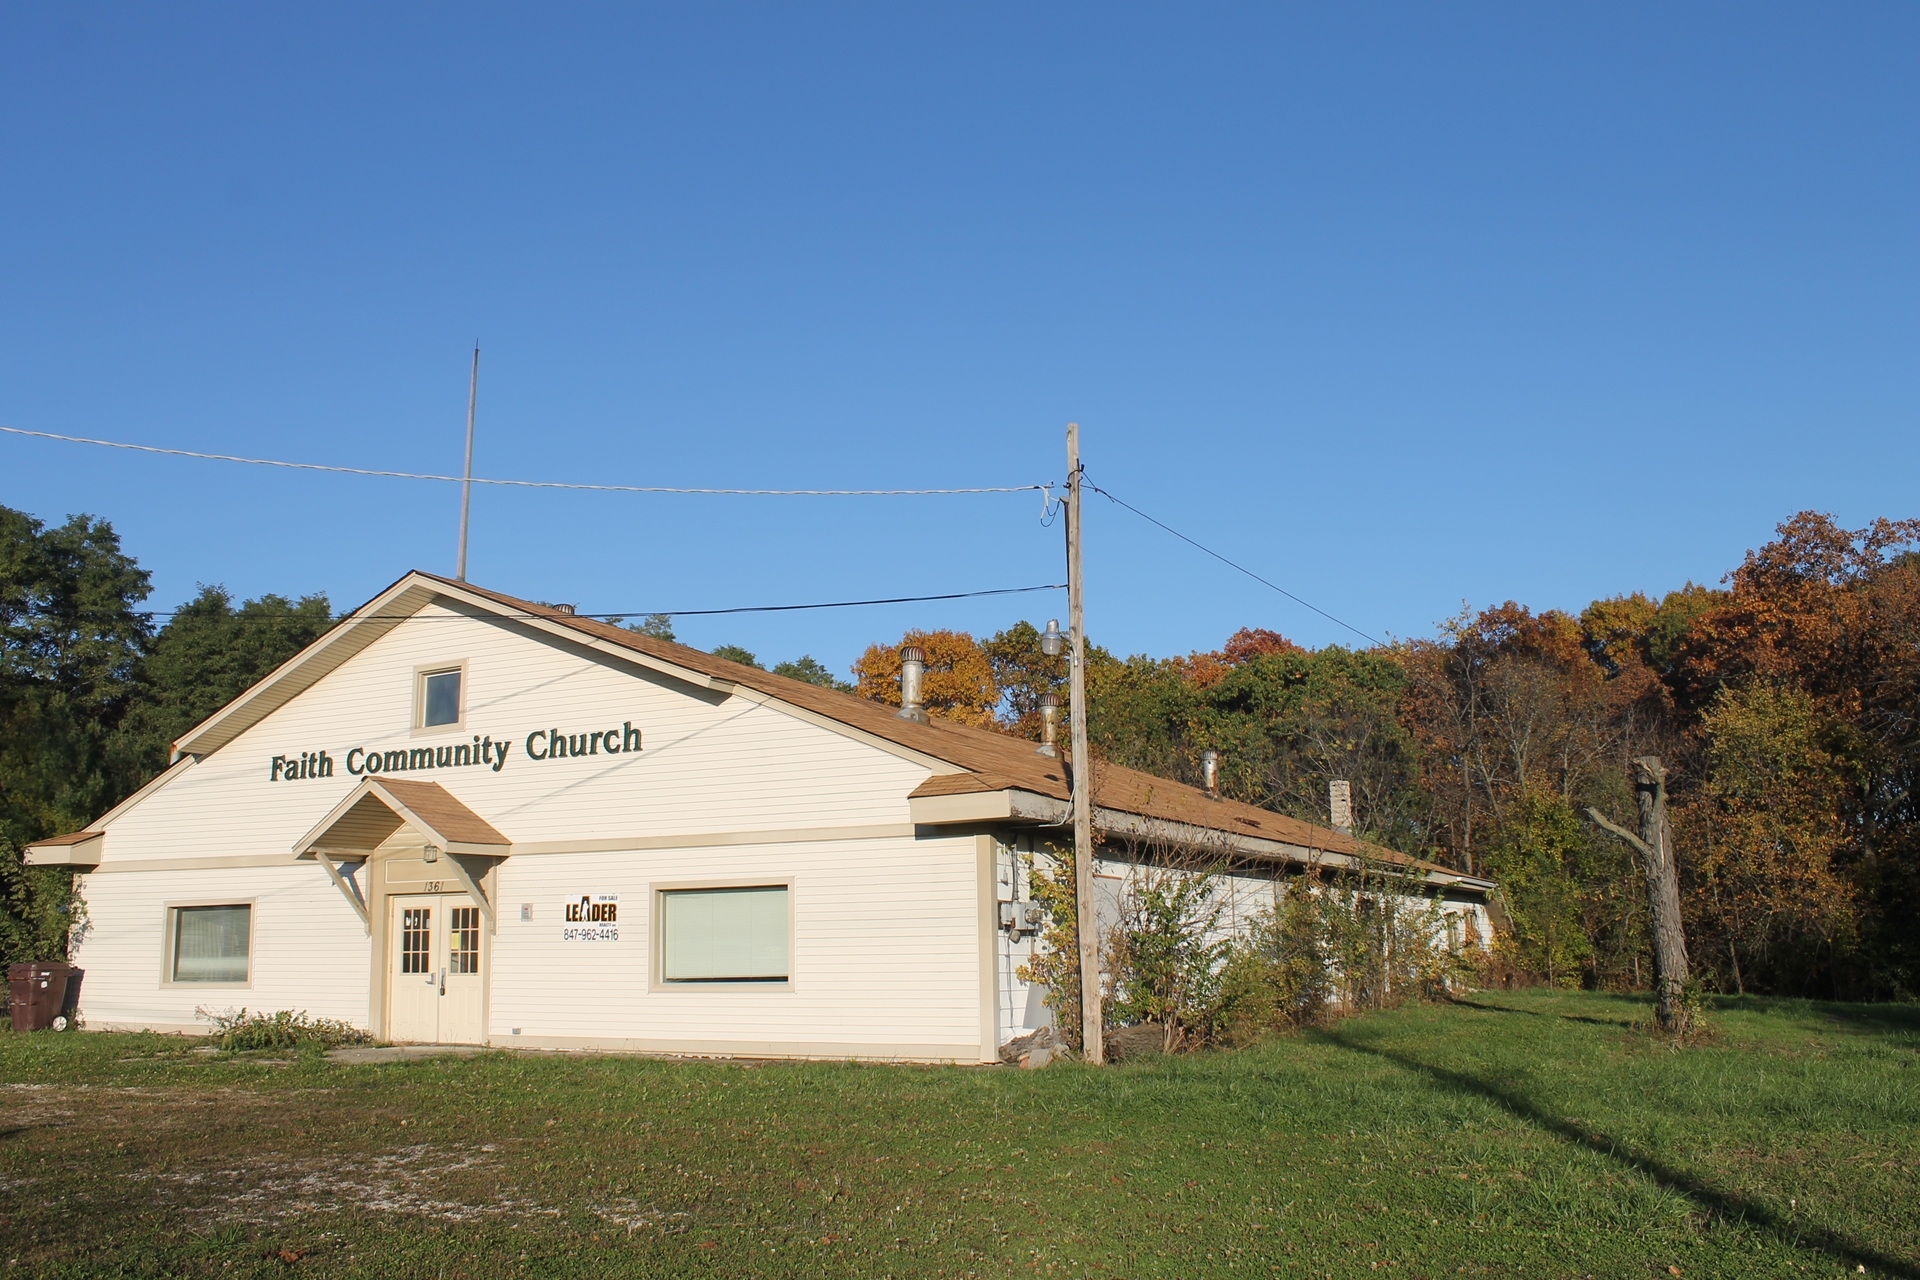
{"x":377,"y":808}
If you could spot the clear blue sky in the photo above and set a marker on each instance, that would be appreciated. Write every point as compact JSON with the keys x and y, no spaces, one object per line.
{"x":1405,"y":305}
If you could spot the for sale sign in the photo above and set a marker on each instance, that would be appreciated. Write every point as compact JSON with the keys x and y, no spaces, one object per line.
{"x":592,"y":917}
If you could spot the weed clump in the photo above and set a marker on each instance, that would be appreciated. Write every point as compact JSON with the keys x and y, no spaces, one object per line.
{"x":241,"y":1030}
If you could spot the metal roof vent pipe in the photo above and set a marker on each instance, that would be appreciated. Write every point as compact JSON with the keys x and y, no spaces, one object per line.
{"x":1049,"y":724}
{"x":1210,"y":771}
{"x":913,"y":672}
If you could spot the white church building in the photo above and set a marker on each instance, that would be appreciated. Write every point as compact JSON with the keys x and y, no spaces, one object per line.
{"x":460,"y":817}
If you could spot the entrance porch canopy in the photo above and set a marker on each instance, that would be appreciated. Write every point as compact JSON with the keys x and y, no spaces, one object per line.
{"x":378,"y":807}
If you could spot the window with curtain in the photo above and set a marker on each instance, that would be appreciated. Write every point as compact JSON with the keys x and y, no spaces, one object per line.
{"x":210,"y":943}
{"x":724,"y":935}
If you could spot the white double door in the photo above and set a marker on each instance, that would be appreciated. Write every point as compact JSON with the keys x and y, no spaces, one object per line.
{"x":436,"y":965}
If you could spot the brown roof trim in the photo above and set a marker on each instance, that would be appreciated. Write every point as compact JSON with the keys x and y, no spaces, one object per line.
{"x":71,"y":837}
{"x":963,"y":784}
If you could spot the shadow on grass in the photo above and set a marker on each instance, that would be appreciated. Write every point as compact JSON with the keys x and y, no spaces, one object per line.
{"x":1621,"y":1023}
{"x":1709,"y":1198}
{"x":1898,"y":1020}
{"x":1881,"y":1019}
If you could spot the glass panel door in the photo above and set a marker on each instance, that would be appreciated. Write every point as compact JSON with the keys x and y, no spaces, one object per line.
{"x":413,"y":975}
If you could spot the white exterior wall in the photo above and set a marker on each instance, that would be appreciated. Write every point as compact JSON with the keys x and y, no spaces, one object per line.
{"x":887,"y":955}
{"x":309,"y":950}
{"x":709,"y":764}
{"x":884,"y":961}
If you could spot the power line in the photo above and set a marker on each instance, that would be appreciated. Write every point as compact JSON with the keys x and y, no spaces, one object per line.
{"x":839,"y":604}
{"x":1229,"y":563}
{"x":520,"y":484}
{"x":673,"y":613}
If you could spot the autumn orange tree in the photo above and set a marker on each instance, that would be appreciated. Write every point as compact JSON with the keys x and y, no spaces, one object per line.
{"x":959,"y":683}
{"x":1802,"y":686}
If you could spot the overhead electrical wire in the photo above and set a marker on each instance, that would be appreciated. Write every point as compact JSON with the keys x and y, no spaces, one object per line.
{"x":1045,"y":489}
{"x":519,"y":484}
{"x":835,"y":604}
{"x":623,"y":614}
{"x":1199,"y":546}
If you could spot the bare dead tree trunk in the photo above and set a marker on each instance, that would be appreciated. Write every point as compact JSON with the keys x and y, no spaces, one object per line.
{"x":1671,"y":970}
{"x":1654,"y":844}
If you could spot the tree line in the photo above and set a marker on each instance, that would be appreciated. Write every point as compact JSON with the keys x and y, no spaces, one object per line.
{"x":1786,"y":702}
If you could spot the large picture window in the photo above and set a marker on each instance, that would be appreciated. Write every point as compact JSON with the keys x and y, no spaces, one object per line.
{"x":211,"y":944}
{"x":725,"y":935}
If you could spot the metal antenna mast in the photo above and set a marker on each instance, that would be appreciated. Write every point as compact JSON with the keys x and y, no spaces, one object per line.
{"x":1086,"y":909}
{"x":466,"y":482}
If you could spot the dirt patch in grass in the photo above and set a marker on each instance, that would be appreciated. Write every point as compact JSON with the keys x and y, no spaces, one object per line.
{"x":452,"y":1184}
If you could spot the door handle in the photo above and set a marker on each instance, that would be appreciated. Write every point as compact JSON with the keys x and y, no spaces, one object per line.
{"x":443,"y":979}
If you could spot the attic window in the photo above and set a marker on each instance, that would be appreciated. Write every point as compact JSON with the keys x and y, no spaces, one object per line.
{"x":439,"y":698}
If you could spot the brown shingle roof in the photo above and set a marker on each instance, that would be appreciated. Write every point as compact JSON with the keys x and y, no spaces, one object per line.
{"x":997,"y":761}
{"x":434,"y":805}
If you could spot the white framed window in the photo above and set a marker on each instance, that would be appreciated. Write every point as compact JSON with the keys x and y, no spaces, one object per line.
{"x":734,"y":935}
{"x":440,"y":697}
{"x":210,"y":944}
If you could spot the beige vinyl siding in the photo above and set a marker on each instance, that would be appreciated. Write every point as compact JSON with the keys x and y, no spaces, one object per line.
{"x":885,"y":951}
{"x":309,"y":951}
{"x":886,"y":947}
{"x":709,"y":763}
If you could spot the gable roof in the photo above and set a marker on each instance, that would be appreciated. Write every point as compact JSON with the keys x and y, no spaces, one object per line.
{"x":982,"y":759}
{"x":378,"y":807}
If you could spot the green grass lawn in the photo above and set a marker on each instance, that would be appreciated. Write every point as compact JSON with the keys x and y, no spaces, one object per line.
{"x":1517,"y":1134}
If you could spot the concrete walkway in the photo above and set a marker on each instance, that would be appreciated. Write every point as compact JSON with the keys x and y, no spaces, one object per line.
{"x":363,"y":1054}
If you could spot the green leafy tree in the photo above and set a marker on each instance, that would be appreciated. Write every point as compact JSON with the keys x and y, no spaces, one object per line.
{"x":71,"y":635}
{"x":1141,"y":713}
{"x":207,"y":655}
{"x":1544,"y":861}
{"x":1024,"y":675}
{"x":806,"y":667}
{"x":734,"y":653}
{"x":1290,"y":721}
{"x":657,"y":625}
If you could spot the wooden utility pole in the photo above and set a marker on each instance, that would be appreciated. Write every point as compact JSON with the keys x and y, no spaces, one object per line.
{"x":466,"y":482}
{"x":1086,"y":909}
{"x":1654,"y":844}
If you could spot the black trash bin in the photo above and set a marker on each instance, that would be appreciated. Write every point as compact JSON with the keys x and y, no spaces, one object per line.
{"x":42,"y":990}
